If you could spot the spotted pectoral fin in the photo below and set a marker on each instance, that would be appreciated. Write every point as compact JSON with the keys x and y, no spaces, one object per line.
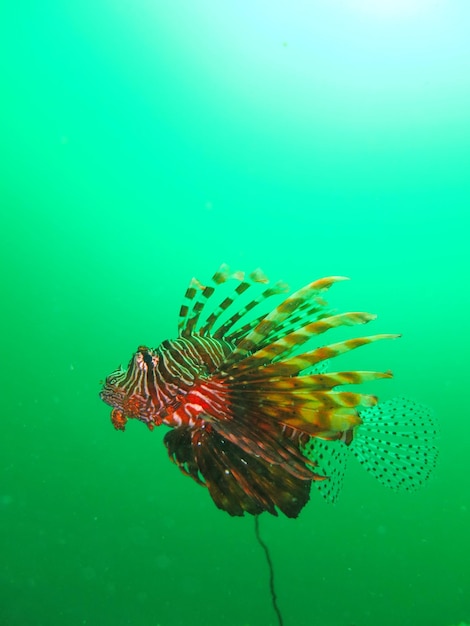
{"x":330,"y":458}
{"x":396,"y":443}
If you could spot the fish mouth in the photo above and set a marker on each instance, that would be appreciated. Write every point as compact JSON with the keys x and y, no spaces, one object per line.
{"x":106,"y":398}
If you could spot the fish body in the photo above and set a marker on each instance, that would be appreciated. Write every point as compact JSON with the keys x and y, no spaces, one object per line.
{"x":253,"y":417}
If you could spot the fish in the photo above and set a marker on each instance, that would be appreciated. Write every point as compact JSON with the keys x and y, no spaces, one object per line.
{"x":256,"y":414}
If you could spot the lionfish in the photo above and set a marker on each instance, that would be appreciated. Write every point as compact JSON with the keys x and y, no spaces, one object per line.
{"x":254,"y":418}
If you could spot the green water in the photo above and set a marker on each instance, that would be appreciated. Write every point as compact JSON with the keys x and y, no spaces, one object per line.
{"x":145,"y":142}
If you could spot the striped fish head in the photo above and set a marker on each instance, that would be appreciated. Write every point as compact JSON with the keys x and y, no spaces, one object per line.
{"x":113,"y":392}
{"x":126,"y":390}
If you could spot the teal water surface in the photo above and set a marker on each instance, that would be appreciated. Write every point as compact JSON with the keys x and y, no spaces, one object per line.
{"x":144,"y":143}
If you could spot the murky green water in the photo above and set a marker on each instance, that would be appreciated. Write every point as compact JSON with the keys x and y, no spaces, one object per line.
{"x":143,"y":143}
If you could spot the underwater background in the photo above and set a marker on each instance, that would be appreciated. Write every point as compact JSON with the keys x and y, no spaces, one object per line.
{"x":147,"y":142}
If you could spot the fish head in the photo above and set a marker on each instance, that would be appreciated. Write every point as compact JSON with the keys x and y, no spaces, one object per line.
{"x":113,"y":393}
{"x":126,"y":390}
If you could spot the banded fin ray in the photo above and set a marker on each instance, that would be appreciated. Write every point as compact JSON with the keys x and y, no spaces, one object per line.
{"x":309,"y":383}
{"x":298,"y":363}
{"x":286,"y":344}
{"x":192,"y":320}
{"x":273,"y":321}
{"x":196,"y":298}
{"x":221,"y":332}
{"x":321,"y":413}
{"x":304,"y":314}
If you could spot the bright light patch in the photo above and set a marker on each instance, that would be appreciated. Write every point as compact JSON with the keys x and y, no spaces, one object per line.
{"x":392,"y":8}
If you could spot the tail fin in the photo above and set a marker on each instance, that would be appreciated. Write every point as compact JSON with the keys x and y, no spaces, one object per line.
{"x":395,"y":442}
